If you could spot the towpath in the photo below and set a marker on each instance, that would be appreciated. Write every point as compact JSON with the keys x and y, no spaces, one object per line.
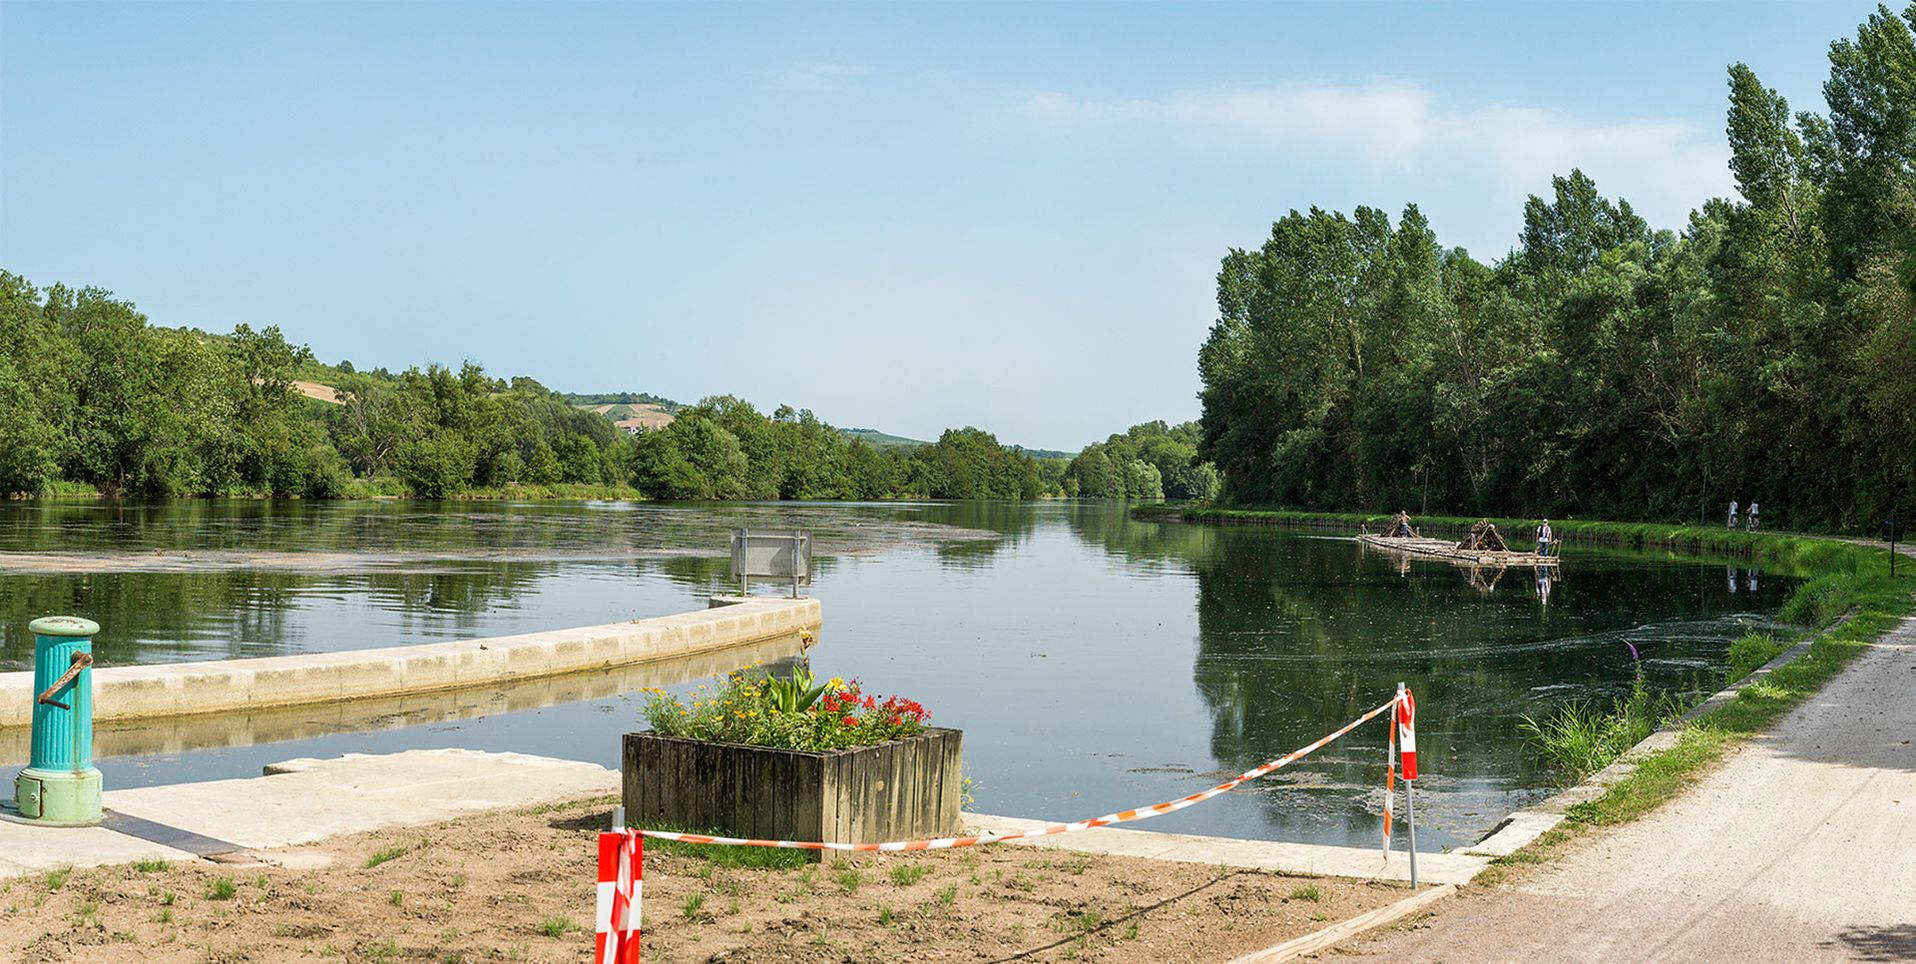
{"x":1800,"y":847}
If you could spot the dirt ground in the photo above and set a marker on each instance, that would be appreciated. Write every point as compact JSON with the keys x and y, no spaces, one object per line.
{"x":519,"y":886}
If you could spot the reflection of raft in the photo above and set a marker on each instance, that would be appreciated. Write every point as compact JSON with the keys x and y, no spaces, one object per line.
{"x":1483,"y":547}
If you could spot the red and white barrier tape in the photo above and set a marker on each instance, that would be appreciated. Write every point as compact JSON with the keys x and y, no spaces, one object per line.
{"x":1122,"y":816}
{"x":621,"y":886}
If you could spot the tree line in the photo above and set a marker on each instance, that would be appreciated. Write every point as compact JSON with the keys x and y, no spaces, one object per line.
{"x":95,"y":396}
{"x":1767,"y":351}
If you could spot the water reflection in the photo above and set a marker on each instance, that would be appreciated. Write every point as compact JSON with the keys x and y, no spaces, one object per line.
{"x":1095,"y":662}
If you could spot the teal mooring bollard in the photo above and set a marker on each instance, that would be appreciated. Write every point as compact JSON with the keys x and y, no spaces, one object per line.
{"x":60,"y":786}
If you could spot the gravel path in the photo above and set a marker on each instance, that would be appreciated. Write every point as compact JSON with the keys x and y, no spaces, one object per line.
{"x":1800,"y":847}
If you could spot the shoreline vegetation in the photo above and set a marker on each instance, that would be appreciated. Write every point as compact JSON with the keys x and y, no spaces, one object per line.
{"x":101,"y":403}
{"x":1847,"y":600}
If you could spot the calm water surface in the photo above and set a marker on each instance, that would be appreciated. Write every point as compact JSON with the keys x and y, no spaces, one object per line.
{"x":1094,"y":662}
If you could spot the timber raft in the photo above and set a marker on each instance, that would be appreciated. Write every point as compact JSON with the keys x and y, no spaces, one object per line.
{"x":1483,"y":547}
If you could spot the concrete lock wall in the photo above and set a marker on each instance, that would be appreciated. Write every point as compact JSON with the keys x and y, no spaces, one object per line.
{"x":179,"y":689}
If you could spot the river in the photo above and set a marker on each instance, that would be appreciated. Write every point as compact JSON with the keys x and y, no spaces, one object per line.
{"x":1095,"y":662}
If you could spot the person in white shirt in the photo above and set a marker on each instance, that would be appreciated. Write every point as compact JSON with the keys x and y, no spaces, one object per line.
{"x":1732,"y":522}
{"x":1752,"y":517}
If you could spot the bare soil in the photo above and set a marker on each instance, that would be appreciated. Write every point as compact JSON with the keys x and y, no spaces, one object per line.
{"x":519,"y":886}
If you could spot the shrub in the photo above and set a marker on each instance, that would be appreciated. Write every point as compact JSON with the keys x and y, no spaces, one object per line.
{"x":1749,"y":652}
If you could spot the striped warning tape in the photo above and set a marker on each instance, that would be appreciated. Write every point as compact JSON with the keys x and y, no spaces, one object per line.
{"x":1122,"y":816}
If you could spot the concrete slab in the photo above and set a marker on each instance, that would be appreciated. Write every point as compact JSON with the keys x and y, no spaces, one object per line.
{"x":28,"y":850}
{"x":300,"y":801}
{"x":1359,"y":862}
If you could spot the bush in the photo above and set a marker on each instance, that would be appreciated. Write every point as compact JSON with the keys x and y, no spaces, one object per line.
{"x":1749,"y":652}
{"x":1581,"y":738}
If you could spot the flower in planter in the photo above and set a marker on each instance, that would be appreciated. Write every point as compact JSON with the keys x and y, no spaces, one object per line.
{"x":791,"y":712}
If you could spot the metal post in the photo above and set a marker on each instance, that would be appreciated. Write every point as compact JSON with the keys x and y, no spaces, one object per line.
{"x":794,"y":563}
{"x":618,"y":819}
{"x":745,"y":562}
{"x":1410,"y":799}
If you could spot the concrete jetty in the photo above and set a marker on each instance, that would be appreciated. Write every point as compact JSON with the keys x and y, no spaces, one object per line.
{"x":239,"y":685}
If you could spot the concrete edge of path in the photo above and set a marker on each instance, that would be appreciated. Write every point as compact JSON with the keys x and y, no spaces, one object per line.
{"x":1342,"y":931}
{"x":181,"y":689}
{"x":1524,"y":826}
{"x":1361,"y":863}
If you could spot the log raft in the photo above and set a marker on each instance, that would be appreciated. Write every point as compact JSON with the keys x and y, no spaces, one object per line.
{"x":1483,"y":547}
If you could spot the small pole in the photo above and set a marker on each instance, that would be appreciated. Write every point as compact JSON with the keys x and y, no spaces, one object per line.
{"x":744,"y":556}
{"x":618,"y":819}
{"x":1410,"y":800}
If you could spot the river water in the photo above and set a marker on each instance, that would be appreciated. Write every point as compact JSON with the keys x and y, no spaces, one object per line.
{"x":1095,"y":662}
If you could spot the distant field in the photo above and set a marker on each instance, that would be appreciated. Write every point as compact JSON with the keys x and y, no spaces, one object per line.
{"x":316,"y":392}
{"x":635,"y":416}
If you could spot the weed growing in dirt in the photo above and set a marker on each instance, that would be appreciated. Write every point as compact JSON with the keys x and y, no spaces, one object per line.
{"x":1307,"y":892}
{"x":390,"y":853}
{"x":905,"y":875}
{"x":849,"y":879}
{"x":557,"y":926}
{"x":693,"y":902}
{"x":150,"y":866}
{"x":946,"y":895}
{"x":396,"y":898}
{"x":222,"y":888}
{"x":56,"y":879}
{"x":166,"y":898}
{"x":885,"y":916}
{"x":776,"y":858}
{"x":386,"y":950}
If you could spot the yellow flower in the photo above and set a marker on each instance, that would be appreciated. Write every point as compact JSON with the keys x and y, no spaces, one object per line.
{"x":835,"y":682}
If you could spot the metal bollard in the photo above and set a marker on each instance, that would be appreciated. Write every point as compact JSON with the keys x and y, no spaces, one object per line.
{"x":60,"y":786}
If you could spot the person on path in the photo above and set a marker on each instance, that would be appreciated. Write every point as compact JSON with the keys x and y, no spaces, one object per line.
{"x":1544,"y":538}
{"x":1752,"y":517}
{"x":1732,"y":523}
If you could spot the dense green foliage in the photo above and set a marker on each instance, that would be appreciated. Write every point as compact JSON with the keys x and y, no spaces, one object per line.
{"x":1766,"y":352}
{"x":1149,"y":461}
{"x":95,"y":395}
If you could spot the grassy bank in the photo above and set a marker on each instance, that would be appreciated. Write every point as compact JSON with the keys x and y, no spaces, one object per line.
{"x":1847,"y":601}
{"x":1806,"y":555}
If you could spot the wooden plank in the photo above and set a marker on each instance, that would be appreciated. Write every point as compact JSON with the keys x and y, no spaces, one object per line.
{"x":1338,"y":933}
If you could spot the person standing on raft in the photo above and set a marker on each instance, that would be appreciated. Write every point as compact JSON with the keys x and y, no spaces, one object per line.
{"x":1544,"y":538}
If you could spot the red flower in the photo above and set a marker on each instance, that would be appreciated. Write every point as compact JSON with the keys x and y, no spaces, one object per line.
{"x":850,"y":721}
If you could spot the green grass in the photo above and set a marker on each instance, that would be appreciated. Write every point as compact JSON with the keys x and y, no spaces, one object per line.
{"x":693,"y":903}
{"x":905,"y":875}
{"x":1750,"y":651}
{"x":390,"y":853}
{"x":719,"y":855}
{"x":1307,"y":892}
{"x":56,"y":879}
{"x":150,"y":866}
{"x":222,"y":888}
{"x":557,"y":926}
{"x":885,"y":916}
{"x":849,"y":879}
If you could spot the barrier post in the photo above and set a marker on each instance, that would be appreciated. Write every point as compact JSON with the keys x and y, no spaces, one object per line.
{"x":1398,"y":718}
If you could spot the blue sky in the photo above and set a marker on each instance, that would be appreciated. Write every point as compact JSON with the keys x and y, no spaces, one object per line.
{"x":902,"y":216}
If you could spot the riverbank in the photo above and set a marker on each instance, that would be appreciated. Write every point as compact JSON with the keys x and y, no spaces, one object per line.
{"x":1803,"y":553}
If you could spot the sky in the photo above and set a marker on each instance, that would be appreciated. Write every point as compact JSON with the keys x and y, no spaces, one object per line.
{"x":906,"y":216}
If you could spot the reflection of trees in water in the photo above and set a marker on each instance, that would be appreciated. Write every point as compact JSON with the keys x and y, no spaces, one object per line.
{"x":1297,"y":636}
{"x":150,"y":617}
{"x":1011,"y":521}
{"x":1108,"y":524}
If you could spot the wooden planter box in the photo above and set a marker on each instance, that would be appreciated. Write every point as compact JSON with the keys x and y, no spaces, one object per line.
{"x":903,"y":790}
